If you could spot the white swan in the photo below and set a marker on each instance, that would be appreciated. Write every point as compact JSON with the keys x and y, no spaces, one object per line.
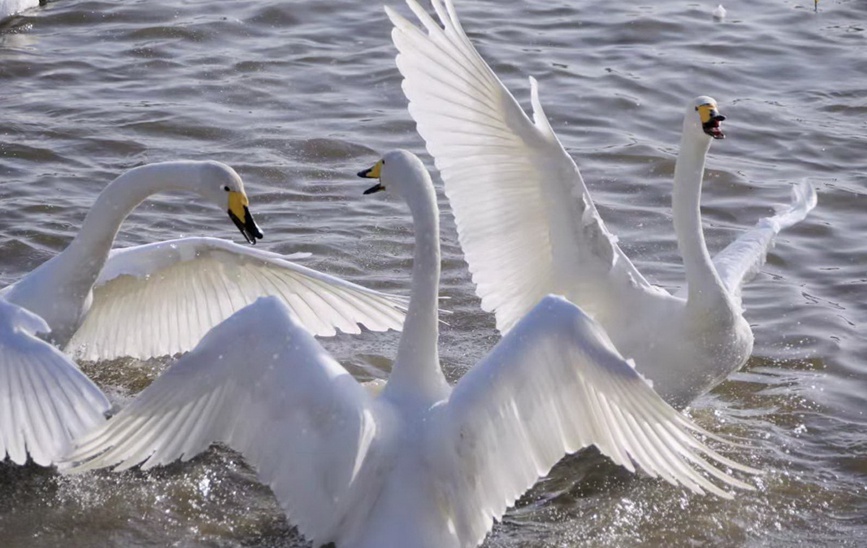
{"x":151,"y":300}
{"x":420,"y":464}
{"x":528,"y":227}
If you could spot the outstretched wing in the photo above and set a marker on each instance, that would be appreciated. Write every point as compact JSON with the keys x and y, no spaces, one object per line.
{"x":45,"y":401}
{"x":741,"y":260}
{"x":261,"y":384}
{"x":525,"y":220}
{"x":160,"y":299}
{"x":551,"y":386}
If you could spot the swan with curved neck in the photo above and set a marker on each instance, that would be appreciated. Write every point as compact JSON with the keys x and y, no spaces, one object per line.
{"x":146,"y":301}
{"x":421,"y":464}
{"x":60,"y":290}
{"x":528,"y":226}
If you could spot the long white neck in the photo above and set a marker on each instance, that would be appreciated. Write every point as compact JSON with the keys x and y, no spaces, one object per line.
{"x":416,"y":375}
{"x":704,"y":284}
{"x":88,"y":252}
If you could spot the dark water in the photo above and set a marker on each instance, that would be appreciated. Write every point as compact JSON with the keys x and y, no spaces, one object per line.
{"x":298,"y":96}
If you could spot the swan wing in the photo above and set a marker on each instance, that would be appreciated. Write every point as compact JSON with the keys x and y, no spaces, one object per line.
{"x":525,"y":219}
{"x":741,"y":260}
{"x":261,"y":384}
{"x":551,"y":386}
{"x":161,"y":298}
{"x":45,"y":401}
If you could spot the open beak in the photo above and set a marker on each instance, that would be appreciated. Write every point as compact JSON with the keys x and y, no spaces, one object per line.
{"x":373,"y":173}
{"x":243,"y":219}
{"x":710,"y":119}
{"x":711,"y":127}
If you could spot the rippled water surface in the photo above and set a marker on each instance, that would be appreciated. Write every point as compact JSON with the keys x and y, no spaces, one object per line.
{"x":298,"y":96}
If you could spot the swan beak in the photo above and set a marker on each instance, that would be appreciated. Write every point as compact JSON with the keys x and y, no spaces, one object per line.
{"x":373,"y":173}
{"x":710,"y":119}
{"x":238,"y":210}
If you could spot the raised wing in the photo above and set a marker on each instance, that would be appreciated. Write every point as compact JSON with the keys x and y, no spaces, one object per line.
{"x":741,"y":260}
{"x":551,"y":386}
{"x":261,"y":384}
{"x":160,"y":299}
{"x":525,"y":220}
{"x":45,"y":401}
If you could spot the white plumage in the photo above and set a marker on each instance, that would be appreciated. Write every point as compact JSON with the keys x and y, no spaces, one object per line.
{"x":8,"y":8}
{"x":528,"y":226}
{"x":160,"y":299}
{"x":45,"y":401}
{"x":420,"y":464}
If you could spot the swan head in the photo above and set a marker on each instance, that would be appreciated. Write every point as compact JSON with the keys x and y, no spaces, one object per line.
{"x":401,"y":171}
{"x":223,"y":186}
{"x":703,"y":115}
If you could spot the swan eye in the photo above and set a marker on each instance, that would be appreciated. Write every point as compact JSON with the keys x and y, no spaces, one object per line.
{"x":226,"y":188}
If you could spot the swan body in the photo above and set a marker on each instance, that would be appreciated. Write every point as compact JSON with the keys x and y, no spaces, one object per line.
{"x":417,"y":463}
{"x":159,"y":299}
{"x":528,"y":226}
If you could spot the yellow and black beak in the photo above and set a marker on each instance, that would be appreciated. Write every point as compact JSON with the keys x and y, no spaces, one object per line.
{"x":373,"y":173}
{"x":238,"y":210}
{"x":710,"y":119}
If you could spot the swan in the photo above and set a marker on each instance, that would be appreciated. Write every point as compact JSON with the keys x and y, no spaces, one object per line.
{"x":146,"y":301}
{"x":528,"y":226}
{"x":420,"y":464}
{"x":8,"y":8}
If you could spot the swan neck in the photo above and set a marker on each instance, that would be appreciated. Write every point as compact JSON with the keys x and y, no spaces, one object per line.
{"x":114,"y":204}
{"x":703,"y":282}
{"x":416,"y":372}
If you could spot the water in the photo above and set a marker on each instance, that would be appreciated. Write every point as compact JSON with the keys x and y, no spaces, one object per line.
{"x":298,"y":96}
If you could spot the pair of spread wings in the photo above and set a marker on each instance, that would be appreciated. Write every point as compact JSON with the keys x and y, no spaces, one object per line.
{"x":501,"y":169}
{"x":261,"y":384}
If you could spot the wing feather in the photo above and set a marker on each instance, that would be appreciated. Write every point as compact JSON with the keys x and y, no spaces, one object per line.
{"x":261,"y":384}
{"x":160,"y":299}
{"x":741,"y":260}
{"x":524,"y":217}
{"x":45,"y":401}
{"x":553,"y":385}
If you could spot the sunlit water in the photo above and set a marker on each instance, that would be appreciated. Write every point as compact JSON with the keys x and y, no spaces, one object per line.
{"x":298,"y":96}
